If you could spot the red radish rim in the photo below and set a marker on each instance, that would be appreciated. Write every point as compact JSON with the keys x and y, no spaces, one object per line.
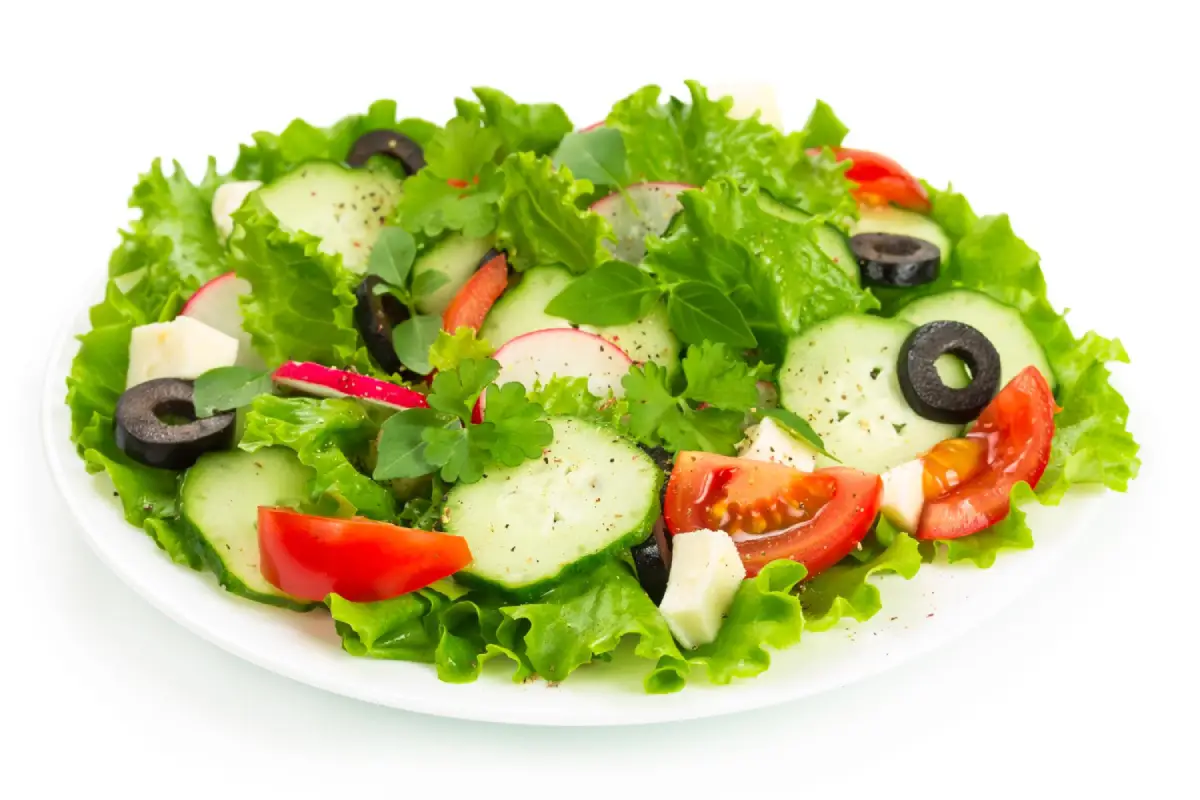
{"x":561,"y":332}
{"x":683,"y":188}
{"x":302,"y":375}
{"x":204,"y":288}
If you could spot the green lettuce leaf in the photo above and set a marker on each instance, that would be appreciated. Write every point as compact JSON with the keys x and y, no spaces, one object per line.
{"x":844,"y":591}
{"x":540,"y":222}
{"x":981,"y":549}
{"x":772,"y":269}
{"x":273,"y":155}
{"x":538,"y":127}
{"x":823,"y":128}
{"x":765,"y":613}
{"x":328,"y":435}
{"x":697,"y":141}
{"x":570,"y":397}
{"x":302,"y":304}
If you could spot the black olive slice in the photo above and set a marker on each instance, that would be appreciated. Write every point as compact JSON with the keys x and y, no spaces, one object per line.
{"x":652,"y":559}
{"x":146,"y":430}
{"x":891,"y":259}
{"x":923,"y":387}
{"x":375,"y":315}
{"x":383,"y":142}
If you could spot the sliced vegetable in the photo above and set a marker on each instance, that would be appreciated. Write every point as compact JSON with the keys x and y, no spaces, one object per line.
{"x":146,"y":433}
{"x":889,"y":259}
{"x":773,"y":511}
{"x":538,"y":357}
{"x":900,"y":221}
{"x":1017,"y":428}
{"x":638,"y":211}
{"x":320,"y":381}
{"x":474,"y":300}
{"x":217,"y":304}
{"x":359,"y":559}
{"x":881,"y":180}
{"x":383,"y":142}
{"x":923,"y":386}
{"x":376,"y":315}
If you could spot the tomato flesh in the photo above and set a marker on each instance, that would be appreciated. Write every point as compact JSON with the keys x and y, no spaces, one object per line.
{"x":881,"y":180}
{"x":362,"y":560}
{"x":1014,"y":433}
{"x":952,"y":462}
{"x":773,"y":511}
{"x":477,"y":296}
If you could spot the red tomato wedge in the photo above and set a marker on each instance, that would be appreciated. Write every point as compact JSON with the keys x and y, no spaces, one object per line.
{"x":881,"y":180}
{"x":475,"y":299}
{"x":360,"y":559}
{"x":1017,"y":426}
{"x":773,"y":511}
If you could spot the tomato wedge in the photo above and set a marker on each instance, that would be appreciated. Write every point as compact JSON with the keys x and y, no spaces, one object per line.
{"x":360,"y":559}
{"x":1017,"y":426}
{"x":773,"y":511}
{"x":881,"y":180}
{"x":475,"y":299}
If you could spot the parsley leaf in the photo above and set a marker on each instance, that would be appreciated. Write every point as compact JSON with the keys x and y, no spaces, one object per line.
{"x":518,"y":431}
{"x":455,"y":391}
{"x":716,"y":376}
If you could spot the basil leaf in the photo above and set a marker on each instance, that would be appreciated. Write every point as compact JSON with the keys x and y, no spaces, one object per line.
{"x":392,"y":256}
{"x":799,"y":426}
{"x":402,"y":444}
{"x":699,"y":311}
{"x":615,"y":293}
{"x":597,"y":155}
{"x":427,"y":283}
{"x":412,"y":340}
{"x":228,"y":388}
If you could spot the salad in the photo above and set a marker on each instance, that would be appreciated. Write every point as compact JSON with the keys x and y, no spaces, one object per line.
{"x":507,"y":389}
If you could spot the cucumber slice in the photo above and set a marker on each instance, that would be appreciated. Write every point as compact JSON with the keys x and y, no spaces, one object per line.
{"x":831,"y":241}
{"x":523,"y":310}
{"x":345,"y":208}
{"x":593,"y":493}
{"x":456,"y":257}
{"x":1000,"y":323}
{"x":840,"y":375}
{"x":219,"y":500}
{"x":886,"y":219}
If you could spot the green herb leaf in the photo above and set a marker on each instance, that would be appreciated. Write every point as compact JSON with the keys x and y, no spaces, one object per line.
{"x":427,"y":283}
{"x":615,"y":293}
{"x":229,"y":388}
{"x":597,"y":155}
{"x":450,"y":350}
{"x":518,"y":430}
{"x":456,"y":450}
{"x":455,"y":392}
{"x":402,"y":444}
{"x":699,"y":311}
{"x":413,"y":339}
{"x":392,"y":257}
{"x":799,"y":426}
{"x":717,"y":376}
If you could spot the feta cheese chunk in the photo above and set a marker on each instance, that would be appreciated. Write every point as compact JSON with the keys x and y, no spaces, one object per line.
{"x":769,"y":441}
{"x":904,"y":495}
{"x":706,"y":572}
{"x":227,"y":199}
{"x":181,"y":348}
{"x":751,"y":97}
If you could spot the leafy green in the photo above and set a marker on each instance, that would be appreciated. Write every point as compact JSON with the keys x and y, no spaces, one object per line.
{"x":229,"y":388}
{"x":798,"y":426}
{"x":392,"y":257}
{"x":412,"y":340}
{"x":720,"y":385}
{"x":328,"y":435}
{"x":597,"y":155}
{"x":459,"y":187}
{"x":771,"y":269}
{"x":537,"y":127}
{"x":302,"y":302}
{"x":823,"y":128}
{"x":273,"y":155}
{"x":570,"y":397}
{"x":539,"y":221}
{"x":444,"y":439}
{"x":843,"y":591}
{"x":765,"y":613}
{"x":450,"y":350}
{"x":698,"y":141}
{"x":615,"y":293}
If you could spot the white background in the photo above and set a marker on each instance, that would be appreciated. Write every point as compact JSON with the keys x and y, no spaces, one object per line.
{"x":1078,"y":123}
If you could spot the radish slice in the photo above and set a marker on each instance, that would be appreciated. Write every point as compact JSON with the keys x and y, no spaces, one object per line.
{"x":653,"y":206}
{"x":314,"y":379}
{"x":216,"y":305}
{"x":539,"y":356}
{"x":591,"y":127}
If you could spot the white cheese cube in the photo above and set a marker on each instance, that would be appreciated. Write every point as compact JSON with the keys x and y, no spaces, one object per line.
{"x":182,"y":348}
{"x":768,"y":441}
{"x":751,"y":97}
{"x":227,"y":199}
{"x":706,"y":572}
{"x":904,"y":495}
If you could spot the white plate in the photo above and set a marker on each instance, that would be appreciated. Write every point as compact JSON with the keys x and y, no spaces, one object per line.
{"x":941,"y":603}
